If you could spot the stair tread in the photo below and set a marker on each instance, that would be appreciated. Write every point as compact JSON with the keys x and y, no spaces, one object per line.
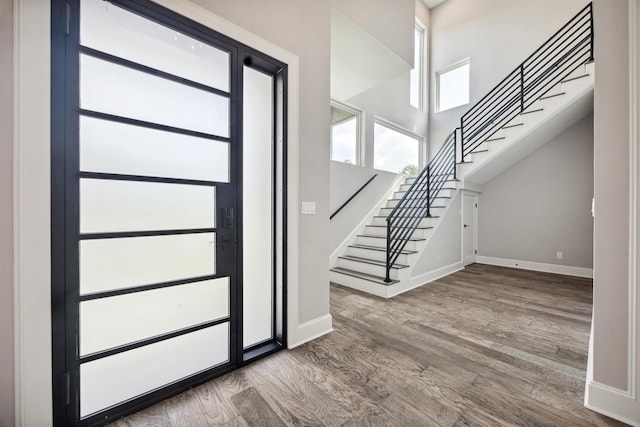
{"x":372,"y":261}
{"x":405,"y":216}
{"x":365,"y":276}
{"x":574,"y":78}
{"x":379,"y":249}
{"x":414,"y":239}
{"x":384,"y":226}
{"x":553,"y":95}
{"x":495,"y":139}
{"x":477,"y":151}
{"x":512,"y":126}
{"x":532,"y":111}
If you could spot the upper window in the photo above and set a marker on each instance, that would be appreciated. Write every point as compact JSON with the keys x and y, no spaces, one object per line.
{"x":396,"y":150}
{"x":345,"y":133}
{"x":416,"y":94}
{"x":452,"y":85}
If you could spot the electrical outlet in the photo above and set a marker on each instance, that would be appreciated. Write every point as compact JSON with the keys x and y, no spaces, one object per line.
{"x":559,"y":255}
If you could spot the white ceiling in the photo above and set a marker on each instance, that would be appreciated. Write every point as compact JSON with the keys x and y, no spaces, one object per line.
{"x":432,"y":3}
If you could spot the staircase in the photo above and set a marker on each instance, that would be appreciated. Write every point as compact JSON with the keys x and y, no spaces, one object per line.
{"x":546,"y":94}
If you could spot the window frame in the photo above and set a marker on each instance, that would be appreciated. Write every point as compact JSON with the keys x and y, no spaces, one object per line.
{"x":359,"y":115}
{"x":395,"y":127}
{"x":438,"y":74}
{"x":422,"y":72}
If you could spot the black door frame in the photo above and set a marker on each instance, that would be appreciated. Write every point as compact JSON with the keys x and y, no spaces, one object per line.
{"x":65,"y":113}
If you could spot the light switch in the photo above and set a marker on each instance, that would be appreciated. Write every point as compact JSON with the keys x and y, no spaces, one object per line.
{"x":308,"y":208}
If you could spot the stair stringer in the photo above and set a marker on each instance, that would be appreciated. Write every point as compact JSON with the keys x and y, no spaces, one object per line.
{"x":416,"y":280}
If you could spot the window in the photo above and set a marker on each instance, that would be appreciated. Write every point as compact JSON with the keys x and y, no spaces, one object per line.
{"x":453,"y":86}
{"x":416,"y":86}
{"x":396,"y":150}
{"x":345,"y":133}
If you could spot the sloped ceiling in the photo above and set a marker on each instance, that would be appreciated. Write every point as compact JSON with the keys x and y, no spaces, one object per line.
{"x":359,"y":61}
{"x":432,"y":3}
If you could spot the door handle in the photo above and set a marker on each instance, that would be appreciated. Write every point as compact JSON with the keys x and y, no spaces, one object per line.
{"x":466,"y":225}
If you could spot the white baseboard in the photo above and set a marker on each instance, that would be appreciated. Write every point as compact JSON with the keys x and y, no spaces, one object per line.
{"x":423,"y":279}
{"x":310,"y":330}
{"x":613,"y":402}
{"x":536,"y":266}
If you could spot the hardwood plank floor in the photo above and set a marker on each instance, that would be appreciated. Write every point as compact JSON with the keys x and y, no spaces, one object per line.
{"x":487,"y":346}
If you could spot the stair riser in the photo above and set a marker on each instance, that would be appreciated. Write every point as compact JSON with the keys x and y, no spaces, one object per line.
{"x":425,"y":222}
{"x":382,"y":243}
{"x":443,"y":193}
{"x":363,"y":267}
{"x":359,"y":284}
{"x":376,"y":255}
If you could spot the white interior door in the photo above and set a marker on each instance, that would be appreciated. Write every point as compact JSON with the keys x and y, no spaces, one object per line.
{"x":469,"y":226}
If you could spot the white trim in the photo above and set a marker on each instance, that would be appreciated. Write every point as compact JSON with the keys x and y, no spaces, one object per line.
{"x":474,"y":255}
{"x":437,"y":74}
{"x":388,"y":291}
{"x":400,"y":129}
{"x":422,"y":76}
{"x":423,"y":279}
{"x":360,"y":129}
{"x":32,"y":227}
{"x":536,"y":266}
{"x":612,"y":402}
{"x":634,"y":111}
{"x":310,"y":330}
{"x":342,"y":247}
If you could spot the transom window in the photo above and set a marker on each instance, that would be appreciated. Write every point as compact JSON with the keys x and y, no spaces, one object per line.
{"x":416,"y":86}
{"x":452,"y":86}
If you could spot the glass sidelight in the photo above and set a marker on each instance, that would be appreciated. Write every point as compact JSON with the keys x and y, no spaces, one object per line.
{"x":169,"y":155}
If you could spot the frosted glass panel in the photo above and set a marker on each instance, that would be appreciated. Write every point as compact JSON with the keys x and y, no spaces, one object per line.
{"x":257,"y":207}
{"x":112,"y":147}
{"x":109,"y":88}
{"x":146,"y":314}
{"x":109,"y":206}
{"x":113,"y":30}
{"x":108,"y":264}
{"x":106,"y":382}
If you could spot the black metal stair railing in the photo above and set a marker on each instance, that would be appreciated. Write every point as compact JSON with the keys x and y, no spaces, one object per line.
{"x":416,"y":203}
{"x":569,"y":48}
{"x":564,"y":52}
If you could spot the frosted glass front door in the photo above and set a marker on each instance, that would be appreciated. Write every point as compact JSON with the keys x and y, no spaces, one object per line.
{"x":168,"y":147}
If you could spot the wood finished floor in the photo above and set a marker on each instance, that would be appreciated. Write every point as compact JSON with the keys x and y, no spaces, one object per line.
{"x":487,"y":346}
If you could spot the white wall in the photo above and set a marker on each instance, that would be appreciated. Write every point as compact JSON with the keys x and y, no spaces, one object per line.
{"x":345,"y":181}
{"x":542,"y":204}
{"x":445,"y":247}
{"x":613,"y":379}
{"x":611,"y":232}
{"x":497,"y":35}
{"x":6,"y":215}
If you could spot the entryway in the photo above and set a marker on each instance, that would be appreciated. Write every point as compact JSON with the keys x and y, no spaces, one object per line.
{"x":168,"y":201}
